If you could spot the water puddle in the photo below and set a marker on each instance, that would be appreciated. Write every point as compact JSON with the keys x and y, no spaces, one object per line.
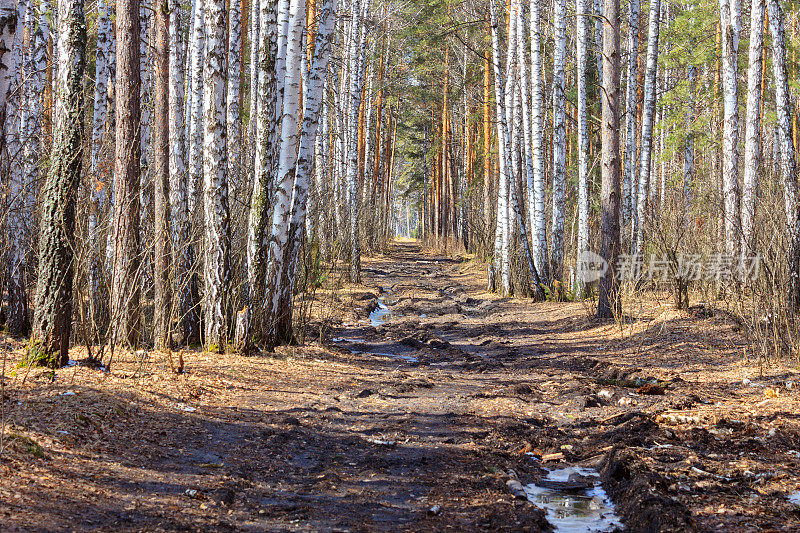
{"x":345,"y":340}
{"x":407,"y":358}
{"x":575,"y":501}
{"x":794,"y":497}
{"x":382,"y":313}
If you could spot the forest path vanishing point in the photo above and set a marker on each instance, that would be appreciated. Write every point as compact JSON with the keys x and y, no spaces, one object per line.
{"x":433,"y":414}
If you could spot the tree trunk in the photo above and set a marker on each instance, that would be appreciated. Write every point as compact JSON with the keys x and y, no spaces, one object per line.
{"x":648,"y":119}
{"x":583,"y":139}
{"x":162,"y":290}
{"x":20,"y":203}
{"x":98,"y":174}
{"x":313,"y":104}
{"x":279,"y":226}
{"x":126,"y":287}
{"x":629,"y":180}
{"x":609,"y":303}
{"x":559,"y":138}
{"x":233,"y":74}
{"x":191,"y":313}
{"x":731,"y":26}
{"x":146,"y":192}
{"x":264,"y":164}
{"x":788,"y":163}
{"x":216,"y":265}
{"x":178,"y":185}
{"x":537,"y":206}
{"x":752,"y":147}
{"x":53,"y":319}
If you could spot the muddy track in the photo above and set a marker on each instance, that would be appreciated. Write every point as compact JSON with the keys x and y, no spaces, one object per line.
{"x":429,"y":416}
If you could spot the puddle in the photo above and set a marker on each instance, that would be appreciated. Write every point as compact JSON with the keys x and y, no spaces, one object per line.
{"x":573,"y":511}
{"x":794,"y":497}
{"x":404,"y":357}
{"x":407,"y":358}
{"x":381,"y":314}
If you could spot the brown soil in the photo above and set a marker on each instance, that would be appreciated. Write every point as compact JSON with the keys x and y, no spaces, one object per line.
{"x":415,"y":425}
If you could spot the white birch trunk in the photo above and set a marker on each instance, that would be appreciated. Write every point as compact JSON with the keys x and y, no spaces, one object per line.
{"x":267,"y":49}
{"x":783,"y":107}
{"x":583,"y":137}
{"x":752,"y":146}
{"x":215,"y":180}
{"x":19,"y":206}
{"x":648,"y":119}
{"x":559,"y":137}
{"x":730,"y":24}
{"x":255,"y":28}
{"x":287,"y":161}
{"x":183,"y":253}
{"x":688,"y":149}
{"x":598,"y":39}
{"x":146,"y":177}
{"x":537,"y":206}
{"x":305,"y":158}
{"x":234,"y":132}
{"x":357,"y":50}
{"x":629,"y":179}
{"x":196,"y":89}
{"x":98,"y":177}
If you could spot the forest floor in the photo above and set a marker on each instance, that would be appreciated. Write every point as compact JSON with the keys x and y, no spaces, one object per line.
{"x":422,"y":423}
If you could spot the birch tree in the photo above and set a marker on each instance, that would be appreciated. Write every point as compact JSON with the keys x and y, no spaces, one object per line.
{"x":537,"y":207}
{"x":788,"y":163}
{"x":357,"y":51}
{"x":629,"y":179}
{"x":216,"y":264}
{"x":20,"y":202}
{"x":583,"y":137}
{"x":146,"y":190}
{"x":265,"y":145}
{"x":689,"y":148}
{"x":195,"y":94}
{"x":648,"y":120}
{"x":731,"y":26}
{"x":559,"y":138}
{"x":287,"y":161}
{"x":752,"y":147}
{"x":98,"y":185}
{"x":53,"y":316}
{"x":254,"y":34}
{"x":305,"y":158}
{"x":500,"y":262}
{"x":8,"y":30}
{"x":234,"y":131}
{"x":190,"y":315}
{"x":182,"y":257}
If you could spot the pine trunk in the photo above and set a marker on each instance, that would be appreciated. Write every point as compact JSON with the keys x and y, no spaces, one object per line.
{"x":162,"y":254}
{"x":609,"y":303}
{"x":126,"y":286}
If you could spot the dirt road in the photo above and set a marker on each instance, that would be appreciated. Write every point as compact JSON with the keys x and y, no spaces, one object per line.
{"x":421,"y":418}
